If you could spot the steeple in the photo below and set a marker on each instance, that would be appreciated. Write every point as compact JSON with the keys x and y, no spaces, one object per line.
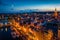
{"x":55,"y":13}
{"x":55,"y":9}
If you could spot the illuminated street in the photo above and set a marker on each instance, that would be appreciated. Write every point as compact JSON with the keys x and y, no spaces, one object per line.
{"x":29,"y":19}
{"x":30,"y":26}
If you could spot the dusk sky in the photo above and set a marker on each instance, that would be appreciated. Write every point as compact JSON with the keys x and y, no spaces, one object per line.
{"x":10,"y":5}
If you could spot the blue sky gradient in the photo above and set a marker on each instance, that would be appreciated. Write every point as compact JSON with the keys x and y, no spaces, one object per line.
{"x":10,"y":5}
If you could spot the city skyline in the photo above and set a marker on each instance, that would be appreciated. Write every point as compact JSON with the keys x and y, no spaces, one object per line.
{"x":16,"y":5}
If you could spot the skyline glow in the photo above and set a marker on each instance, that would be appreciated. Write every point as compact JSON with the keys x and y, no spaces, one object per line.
{"x":16,"y":5}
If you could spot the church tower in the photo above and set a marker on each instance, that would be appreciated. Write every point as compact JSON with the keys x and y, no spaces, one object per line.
{"x":55,"y":13}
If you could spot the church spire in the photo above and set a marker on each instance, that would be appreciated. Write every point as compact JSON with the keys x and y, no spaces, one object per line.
{"x":55,"y":9}
{"x":55,"y":13}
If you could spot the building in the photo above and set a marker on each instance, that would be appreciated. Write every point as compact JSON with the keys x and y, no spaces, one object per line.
{"x":55,"y":13}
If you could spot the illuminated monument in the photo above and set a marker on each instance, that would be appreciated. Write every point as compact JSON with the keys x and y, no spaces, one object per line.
{"x":55,"y":13}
